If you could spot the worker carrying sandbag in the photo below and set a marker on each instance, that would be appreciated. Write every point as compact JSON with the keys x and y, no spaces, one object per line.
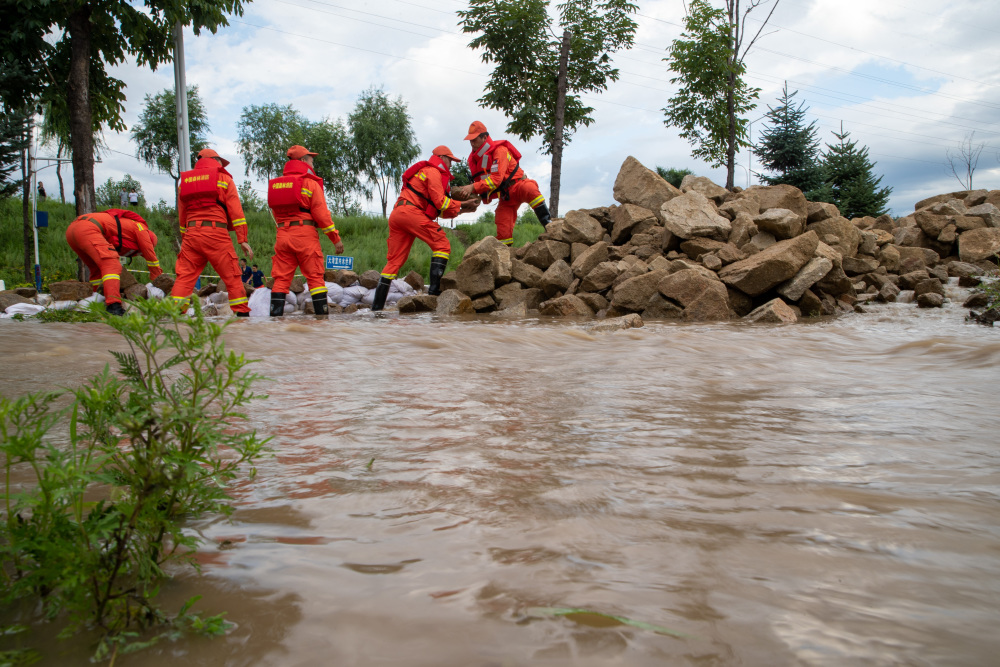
{"x":99,"y":239}
{"x":299,"y":206}
{"x":497,"y":174}
{"x":425,"y":196}
{"x":208,"y":209}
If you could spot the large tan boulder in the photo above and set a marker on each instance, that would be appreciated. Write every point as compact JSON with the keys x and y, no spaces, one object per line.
{"x":932,"y":223}
{"x":164,"y":282}
{"x":633,"y":294}
{"x":781,"y":222}
{"x":684,"y":287}
{"x":630,"y":321}
{"x":589,"y":259}
{"x":710,"y":306}
{"x":453,"y":302}
{"x":500,"y":254}
{"x":418,"y":303}
{"x":69,"y":290}
{"x":600,"y":277}
{"x":641,"y":186}
{"x":848,"y":236}
{"x":705,"y":186}
{"x":821,"y":210}
{"x":557,"y":278}
{"x":525,"y":273}
{"x":986,"y":212}
{"x":568,"y":305}
{"x":775,"y":311}
{"x":808,"y":275}
{"x":743,"y":229}
{"x":734,"y":207}
{"x":541,"y":254}
{"x":692,"y":214}
{"x":9,"y":298}
{"x":780,"y":196}
{"x":979,"y":244}
{"x":474,"y":275}
{"x":772,"y":266}
{"x":578,"y":227}
{"x":629,"y":219}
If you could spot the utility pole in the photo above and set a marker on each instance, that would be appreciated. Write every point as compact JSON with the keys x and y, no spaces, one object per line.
{"x":180,"y":96}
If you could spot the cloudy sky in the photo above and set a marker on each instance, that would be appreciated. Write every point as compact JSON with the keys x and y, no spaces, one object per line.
{"x":910,"y":80}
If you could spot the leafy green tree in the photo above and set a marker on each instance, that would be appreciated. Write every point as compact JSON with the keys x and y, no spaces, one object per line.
{"x":710,"y":107}
{"x":673,"y":176}
{"x":155,"y":134}
{"x":249,"y":198}
{"x":461,"y":174}
{"x":540,"y":75}
{"x":384,"y":141}
{"x":59,"y":52}
{"x":849,"y":180}
{"x":264,"y":134}
{"x":336,"y":164}
{"x":790,"y":148}
{"x":109,"y":194}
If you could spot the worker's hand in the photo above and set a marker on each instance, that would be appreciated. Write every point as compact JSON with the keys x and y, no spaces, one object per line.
{"x":247,"y":250}
{"x":462,"y":192}
{"x":339,"y":247}
{"x":470,"y":205}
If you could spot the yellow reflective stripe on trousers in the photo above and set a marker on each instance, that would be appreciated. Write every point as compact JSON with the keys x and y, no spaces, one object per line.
{"x":317,"y":290}
{"x":236,"y":302}
{"x":540,"y":199}
{"x":111,"y":276}
{"x":96,"y":281}
{"x":440,"y":253}
{"x":507,"y":241}
{"x":389,"y":275}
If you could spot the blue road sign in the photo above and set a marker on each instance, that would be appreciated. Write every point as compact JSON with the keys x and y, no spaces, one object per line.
{"x":339,"y":262}
{"x":41,"y":219}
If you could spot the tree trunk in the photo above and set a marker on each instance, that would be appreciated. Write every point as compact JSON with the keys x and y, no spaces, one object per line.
{"x":62,"y":187}
{"x":731,"y":138}
{"x":26,"y":206}
{"x":81,"y":124}
{"x":557,"y":139}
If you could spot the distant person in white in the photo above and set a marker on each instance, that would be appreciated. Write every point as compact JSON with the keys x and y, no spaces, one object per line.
{"x":133,"y":199}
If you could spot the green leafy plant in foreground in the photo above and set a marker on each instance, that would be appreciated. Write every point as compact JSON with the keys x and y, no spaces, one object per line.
{"x":103,"y":511}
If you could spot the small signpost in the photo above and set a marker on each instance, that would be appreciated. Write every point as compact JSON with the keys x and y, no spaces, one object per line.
{"x":339,"y":262}
{"x":41,"y":219}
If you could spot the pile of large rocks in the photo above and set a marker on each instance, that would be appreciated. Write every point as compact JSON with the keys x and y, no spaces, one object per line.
{"x":703,"y":253}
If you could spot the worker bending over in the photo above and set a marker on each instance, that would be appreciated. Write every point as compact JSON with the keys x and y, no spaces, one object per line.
{"x":496,"y":173}
{"x":99,"y":239}
{"x":299,"y":206}
{"x":425,"y":196}
{"x":208,"y":209}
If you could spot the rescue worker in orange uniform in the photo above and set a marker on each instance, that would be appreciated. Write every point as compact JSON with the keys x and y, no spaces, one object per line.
{"x":425,"y":196}
{"x":99,"y":239}
{"x":208,"y":209}
{"x":496,"y":173}
{"x":299,"y":206}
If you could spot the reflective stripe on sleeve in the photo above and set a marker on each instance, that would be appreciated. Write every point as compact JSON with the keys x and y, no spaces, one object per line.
{"x":489,"y":182}
{"x":331,"y":228}
{"x":222,"y":184}
{"x":446,"y":204}
{"x":152,"y":263}
{"x":307,"y":192}
{"x":239,"y":221}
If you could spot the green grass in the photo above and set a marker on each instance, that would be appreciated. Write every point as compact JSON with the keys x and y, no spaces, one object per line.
{"x":364,"y":239}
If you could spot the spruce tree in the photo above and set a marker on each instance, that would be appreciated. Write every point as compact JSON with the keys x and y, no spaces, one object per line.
{"x":789,"y":148}
{"x":851,"y":184}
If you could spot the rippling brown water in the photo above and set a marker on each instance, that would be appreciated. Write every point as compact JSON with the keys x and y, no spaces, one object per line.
{"x":817,"y":494}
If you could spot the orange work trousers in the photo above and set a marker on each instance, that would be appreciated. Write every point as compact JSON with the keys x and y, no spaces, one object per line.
{"x":524,"y":191}
{"x":407,"y":223}
{"x":209,"y":245}
{"x":297,"y":246}
{"x":87,"y":240}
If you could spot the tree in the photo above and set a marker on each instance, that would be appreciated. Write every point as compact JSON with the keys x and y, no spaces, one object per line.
{"x":108,"y":195}
{"x":264,"y":134}
{"x":336,"y":164}
{"x":155,"y":134}
{"x":964,"y":160}
{"x":539,"y":74}
{"x":249,"y":198}
{"x":849,"y":179}
{"x":13,"y":142}
{"x":789,"y":148}
{"x":713,"y":99}
{"x":58,"y":52}
{"x":673,"y":176}
{"x":384,"y":142}
{"x":461,"y":174}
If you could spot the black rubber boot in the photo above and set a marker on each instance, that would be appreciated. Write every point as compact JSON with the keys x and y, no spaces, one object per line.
{"x":381,"y":292}
{"x":242,"y":314}
{"x":277,"y":304}
{"x":438,"y":265}
{"x":542,"y":211}
{"x":115,"y":308}
{"x":320,"y":304}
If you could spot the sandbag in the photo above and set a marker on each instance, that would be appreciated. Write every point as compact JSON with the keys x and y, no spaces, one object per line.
{"x":260,"y":302}
{"x":93,"y":298}
{"x":291,"y":300}
{"x":44,"y":300}
{"x":353,"y":294}
{"x":334,"y":292}
{"x":218,"y":298}
{"x":401,"y":287}
{"x":22,"y":309}
{"x":154,"y":292}
{"x":63,"y":305}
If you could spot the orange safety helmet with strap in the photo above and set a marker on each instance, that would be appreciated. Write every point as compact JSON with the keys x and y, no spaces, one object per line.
{"x":430,"y":210}
{"x":200,"y":186}
{"x":284,"y":194}
{"x":483,"y":160}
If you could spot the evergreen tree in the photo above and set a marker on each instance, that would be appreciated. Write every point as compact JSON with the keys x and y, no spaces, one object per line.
{"x":789,"y":148}
{"x":849,"y":179}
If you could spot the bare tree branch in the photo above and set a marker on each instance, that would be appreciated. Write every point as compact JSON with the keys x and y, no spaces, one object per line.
{"x":964,"y":160}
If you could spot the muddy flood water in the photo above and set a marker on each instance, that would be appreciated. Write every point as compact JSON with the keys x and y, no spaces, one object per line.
{"x":825,"y":493}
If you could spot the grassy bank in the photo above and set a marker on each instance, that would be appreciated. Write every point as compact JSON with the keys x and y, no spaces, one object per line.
{"x":364,"y":239}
